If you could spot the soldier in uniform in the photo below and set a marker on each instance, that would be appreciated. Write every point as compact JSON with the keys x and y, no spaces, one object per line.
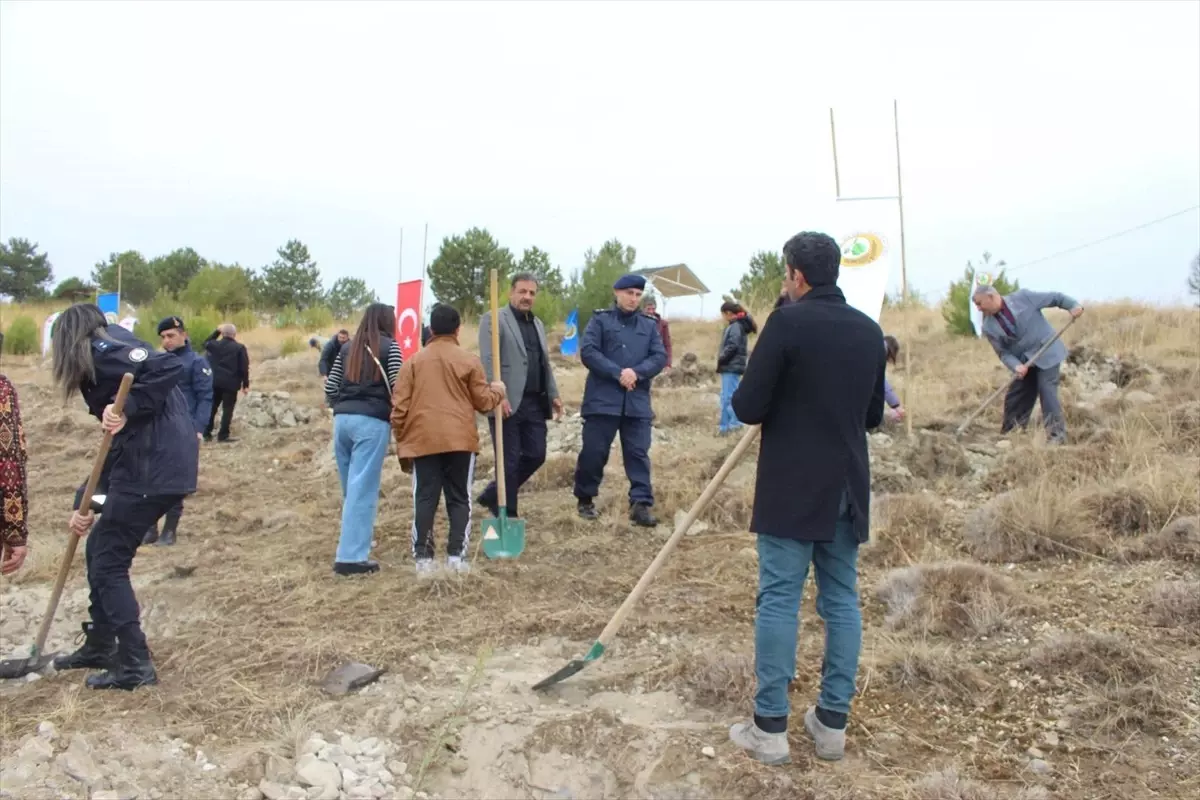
{"x":623,"y":352}
{"x":197,"y":387}
{"x":151,"y":467}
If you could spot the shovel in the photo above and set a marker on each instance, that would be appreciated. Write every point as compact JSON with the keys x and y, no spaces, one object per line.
{"x":966,"y":422}
{"x":614,"y":624}
{"x":502,"y":537}
{"x":18,"y":667}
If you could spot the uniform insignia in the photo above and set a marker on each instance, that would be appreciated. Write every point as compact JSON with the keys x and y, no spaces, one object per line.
{"x":206,"y":371}
{"x":138,"y":354}
{"x":101,"y":345}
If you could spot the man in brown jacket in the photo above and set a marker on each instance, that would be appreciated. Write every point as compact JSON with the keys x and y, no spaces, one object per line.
{"x":437,"y":394}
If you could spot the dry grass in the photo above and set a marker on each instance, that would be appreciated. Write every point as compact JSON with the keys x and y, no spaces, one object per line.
{"x":905,"y":529}
{"x":241,"y":642}
{"x":952,"y":599}
{"x":1175,"y":604}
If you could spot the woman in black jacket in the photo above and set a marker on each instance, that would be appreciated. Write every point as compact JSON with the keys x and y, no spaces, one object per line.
{"x":359,"y":390}
{"x":731,"y":360}
{"x":151,"y":467}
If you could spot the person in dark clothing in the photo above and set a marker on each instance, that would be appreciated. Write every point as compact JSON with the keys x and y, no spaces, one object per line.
{"x":426,"y":334}
{"x":664,"y":329}
{"x":623,"y":352}
{"x":196,"y":385}
{"x":783,"y":299}
{"x":359,"y":390}
{"x":529,"y":383}
{"x":815,"y":384}
{"x":153,"y":463}
{"x":731,"y":360}
{"x":329,"y":352}
{"x":231,"y":371}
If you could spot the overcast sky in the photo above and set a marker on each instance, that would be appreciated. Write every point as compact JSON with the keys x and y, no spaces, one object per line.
{"x":694,"y":131}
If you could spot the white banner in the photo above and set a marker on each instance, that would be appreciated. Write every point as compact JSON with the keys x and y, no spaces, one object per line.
{"x":46,"y":328}
{"x":976,"y":314}
{"x":868,"y":231}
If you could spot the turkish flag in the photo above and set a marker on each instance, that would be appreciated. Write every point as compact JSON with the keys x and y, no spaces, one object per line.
{"x":408,"y":318}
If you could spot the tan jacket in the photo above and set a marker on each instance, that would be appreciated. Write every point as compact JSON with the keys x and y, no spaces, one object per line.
{"x":435,"y":400}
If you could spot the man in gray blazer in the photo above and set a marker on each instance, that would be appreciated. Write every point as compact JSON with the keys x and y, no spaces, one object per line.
{"x":532,"y":393}
{"x":1016,"y":329}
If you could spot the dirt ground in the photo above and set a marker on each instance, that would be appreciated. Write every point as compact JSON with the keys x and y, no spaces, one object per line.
{"x":1031,"y":613}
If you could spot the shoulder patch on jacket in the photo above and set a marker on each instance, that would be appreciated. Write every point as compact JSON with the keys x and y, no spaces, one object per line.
{"x":206,"y":370}
{"x":138,"y":355}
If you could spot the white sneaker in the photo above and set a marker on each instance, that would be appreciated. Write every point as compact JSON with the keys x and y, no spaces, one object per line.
{"x":769,"y":748}
{"x":831,"y":742}
{"x":458,"y":564}
{"x":426,"y":568}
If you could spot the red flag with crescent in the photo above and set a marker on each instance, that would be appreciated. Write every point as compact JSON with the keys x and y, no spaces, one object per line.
{"x":408,"y":318}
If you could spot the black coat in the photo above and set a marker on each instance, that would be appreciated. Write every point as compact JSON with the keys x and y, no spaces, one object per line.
{"x":229,"y":361}
{"x":732,"y":355}
{"x":157,"y":452}
{"x":815,"y":384}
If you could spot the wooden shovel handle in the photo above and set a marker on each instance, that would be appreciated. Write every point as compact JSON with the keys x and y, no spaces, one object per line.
{"x":610,"y":630}
{"x":64,"y":567}
{"x":501,"y":496}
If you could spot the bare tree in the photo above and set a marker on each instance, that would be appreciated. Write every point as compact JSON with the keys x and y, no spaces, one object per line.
{"x":1194,"y":278}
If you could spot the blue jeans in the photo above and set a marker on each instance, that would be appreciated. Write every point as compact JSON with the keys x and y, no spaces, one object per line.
{"x":782,"y":570}
{"x":359,"y":445}
{"x":729,"y":420}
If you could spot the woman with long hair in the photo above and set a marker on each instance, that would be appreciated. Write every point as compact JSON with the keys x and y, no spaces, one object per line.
{"x":151,"y":467}
{"x":731,"y":360}
{"x":894,"y":411}
{"x":359,"y":390}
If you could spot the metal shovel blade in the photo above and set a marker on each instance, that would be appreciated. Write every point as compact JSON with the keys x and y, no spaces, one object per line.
{"x":503,"y":537}
{"x":572,"y":668}
{"x":20,"y":667}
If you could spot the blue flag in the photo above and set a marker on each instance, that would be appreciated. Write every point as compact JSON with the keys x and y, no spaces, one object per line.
{"x":110,"y":304}
{"x":570,"y":342}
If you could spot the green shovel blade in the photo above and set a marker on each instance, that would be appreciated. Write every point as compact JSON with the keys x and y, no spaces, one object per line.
{"x":503,"y":537}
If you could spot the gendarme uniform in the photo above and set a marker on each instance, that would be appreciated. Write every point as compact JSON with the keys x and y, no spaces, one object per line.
{"x":151,"y":466}
{"x":197,"y":387}
{"x":615,"y":340}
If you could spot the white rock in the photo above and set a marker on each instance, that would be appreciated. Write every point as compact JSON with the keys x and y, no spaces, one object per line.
{"x":404,"y":793}
{"x":1049,"y":739}
{"x":278,"y":770}
{"x":313,"y":746}
{"x":368,"y":745}
{"x":47,"y":731}
{"x":360,"y":793}
{"x":349,"y":746}
{"x":272,"y":791}
{"x":79,"y":765}
{"x":1033,"y":752}
{"x":311,"y":771}
{"x":709,"y":752}
{"x":385,"y":776}
{"x":397,"y":767}
{"x":295,"y":793}
{"x":251,"y":793}
{"x":106,"y":794}
{"x":1039,"y":766}
{"x":35,"y":751}
{"x":349,"y":778}
{"x":378,"y":791}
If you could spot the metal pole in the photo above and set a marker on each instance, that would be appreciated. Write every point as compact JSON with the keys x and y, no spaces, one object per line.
{"x":908,"y":376}
{"x":400,"y":269}
{"x":421,"y":301}
{"x":837,"y":181}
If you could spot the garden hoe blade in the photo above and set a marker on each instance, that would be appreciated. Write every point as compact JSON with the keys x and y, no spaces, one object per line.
{"x":502,"y":537}
{"x":614,"y":624}
{"x":37,"y":660}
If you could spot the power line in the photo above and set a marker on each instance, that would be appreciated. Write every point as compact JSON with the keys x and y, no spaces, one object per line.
{"x":1100,"y":241}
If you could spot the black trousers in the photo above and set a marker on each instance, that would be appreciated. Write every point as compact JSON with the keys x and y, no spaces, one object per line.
{"x":599,"y":430}
{"x":110,"y":549}
{"x":434,"y":475}
{"x":524,"y":450}
{"x":224,"y":400}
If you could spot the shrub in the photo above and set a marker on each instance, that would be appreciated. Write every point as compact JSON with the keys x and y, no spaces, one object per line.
{"x":292,"y":345}
{"x":23,"y":337}
{"x":956,"y":309}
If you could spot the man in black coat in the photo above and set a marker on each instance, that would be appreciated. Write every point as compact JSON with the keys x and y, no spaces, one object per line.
{"x":231,"y":371}
{"x":815,"y":384}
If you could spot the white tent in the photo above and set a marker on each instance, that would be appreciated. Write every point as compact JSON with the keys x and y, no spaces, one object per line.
{"x":677,"y":280}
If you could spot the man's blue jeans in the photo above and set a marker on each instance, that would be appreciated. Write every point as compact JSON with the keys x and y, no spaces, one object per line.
{"x":782,"y":570}
{"x":729,"y":420}
{"x":360,"y":444}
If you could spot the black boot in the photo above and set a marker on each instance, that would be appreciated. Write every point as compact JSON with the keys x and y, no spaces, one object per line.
{"x":639,"y":514}
{"x":151,"y":534}
{"x":168,"y":532}
{"x":587,"y":510}
{"x":133,"y":669}
{"x":99,"y":650}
